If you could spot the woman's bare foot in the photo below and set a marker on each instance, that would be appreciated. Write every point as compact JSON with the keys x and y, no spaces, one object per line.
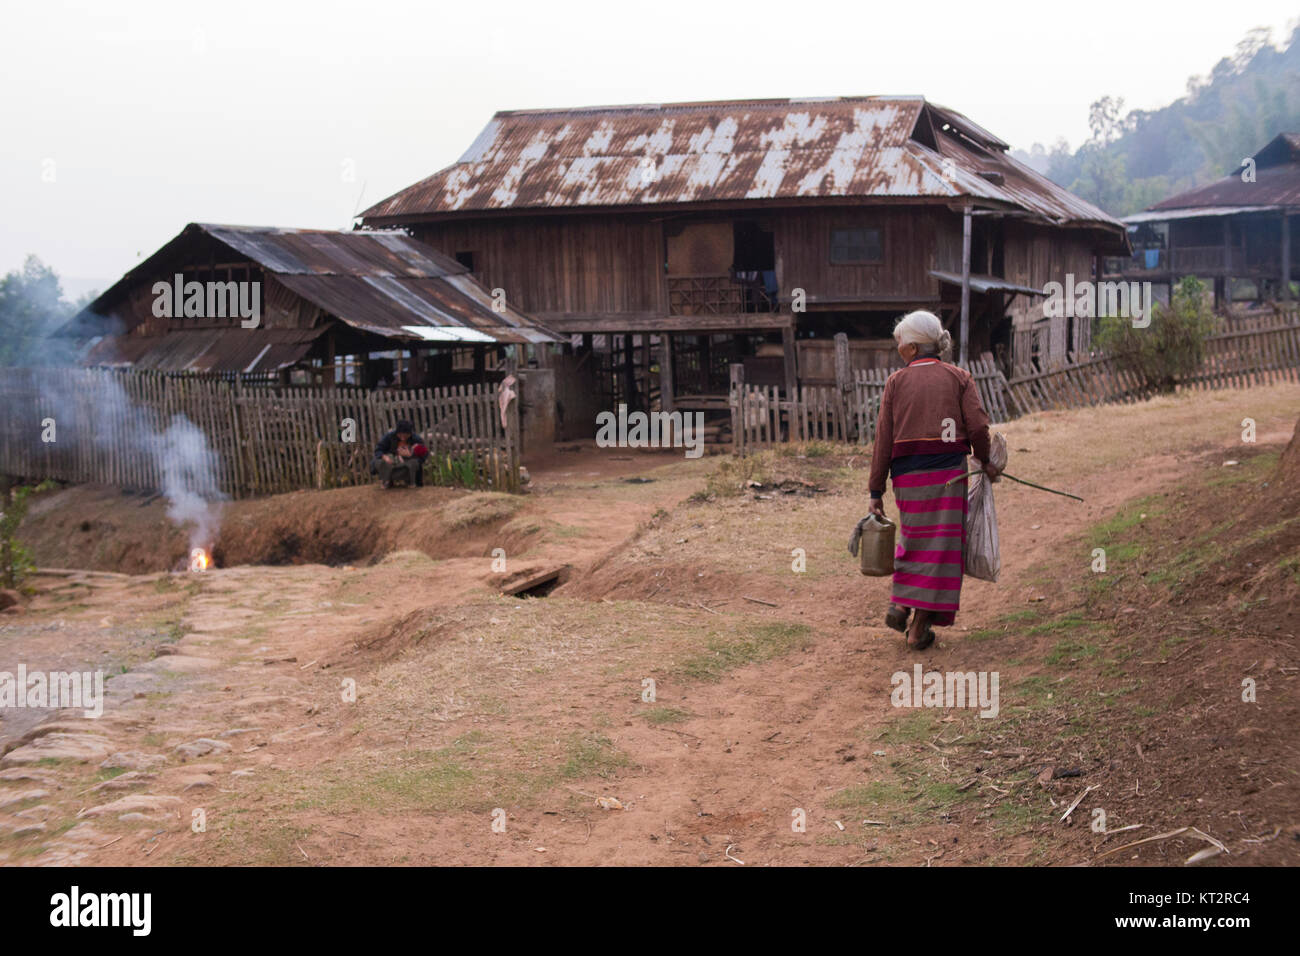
{"x":920,"y":634}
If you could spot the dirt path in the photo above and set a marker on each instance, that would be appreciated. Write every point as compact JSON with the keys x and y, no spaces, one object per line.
{"x":467,"y":702}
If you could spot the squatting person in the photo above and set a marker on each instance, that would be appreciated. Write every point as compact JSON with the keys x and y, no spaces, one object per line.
{"x":930,"y":419}
{"x":399,"y":456}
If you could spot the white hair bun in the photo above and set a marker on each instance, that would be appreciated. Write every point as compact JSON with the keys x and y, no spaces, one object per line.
{"x":923,"y":329}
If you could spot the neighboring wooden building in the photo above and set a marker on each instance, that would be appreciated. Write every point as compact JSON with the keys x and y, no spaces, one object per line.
{"x":753,"y":232}
{"x":1235,"y":233}
{"x":332,"y":307}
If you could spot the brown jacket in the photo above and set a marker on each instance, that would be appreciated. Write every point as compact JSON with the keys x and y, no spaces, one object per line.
{"x":917,"y":401}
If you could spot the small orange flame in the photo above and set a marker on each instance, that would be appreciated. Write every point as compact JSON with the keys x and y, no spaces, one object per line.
{"x":199,"y":560}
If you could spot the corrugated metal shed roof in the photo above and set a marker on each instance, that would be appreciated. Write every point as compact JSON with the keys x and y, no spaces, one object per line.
{"x":1276,"y":184}
{"x":328,"y":252}
{"x":206,"y":350}
{"x":983,"y":283}
{"x":837,"y":148}
{"x":385,"y":283}
{"x":1196,"y":212}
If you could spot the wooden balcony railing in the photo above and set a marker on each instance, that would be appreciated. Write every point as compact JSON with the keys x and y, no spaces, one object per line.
{"x":716,"y":295}
{"x":1197,"y":260}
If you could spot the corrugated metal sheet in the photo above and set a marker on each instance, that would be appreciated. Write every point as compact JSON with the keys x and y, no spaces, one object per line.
{"x":1198,"y":212}
{"x":206,"y":350}
{"x":390,"y":305}
{"x":1276,"y":184}
{"x":327,"y":252}
{"x":982,"y":283}
{"x":380,"y":282}
{"x":853,"y":147}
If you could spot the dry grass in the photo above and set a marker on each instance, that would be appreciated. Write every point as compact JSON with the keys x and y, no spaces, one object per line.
{"x":480,"y":508}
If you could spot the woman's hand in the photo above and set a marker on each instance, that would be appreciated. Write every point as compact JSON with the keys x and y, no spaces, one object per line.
{"x":876,"y":507}
{"x":992,"y":471}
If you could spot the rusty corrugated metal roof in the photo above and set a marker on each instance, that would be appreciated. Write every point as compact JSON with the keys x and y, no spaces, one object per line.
{"x":1276,"y":183}
{"x":328,"y":252}
{"x":837,"y":148}
{"x":382,"y":282}
{"x":206,"y":350}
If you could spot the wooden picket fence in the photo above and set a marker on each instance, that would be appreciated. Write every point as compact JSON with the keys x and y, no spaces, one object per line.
{"x":1245,"y":357}
{"x":262,"y":439}
{"x":1258,"y":351}
{"x":1261,"y":353}
{"x":1094,"y":381}
{"x":834,"y":413}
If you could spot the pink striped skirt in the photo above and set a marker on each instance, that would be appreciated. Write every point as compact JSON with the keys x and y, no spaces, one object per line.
{"x":932,"y":534}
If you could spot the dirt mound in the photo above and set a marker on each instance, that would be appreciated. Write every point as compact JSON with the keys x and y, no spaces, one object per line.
{"x":390,"y":638}
{"x":102,"y":529}
{"x":106,"y":530}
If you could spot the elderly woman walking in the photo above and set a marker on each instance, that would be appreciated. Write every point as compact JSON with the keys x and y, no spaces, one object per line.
{"x":930,"y":419}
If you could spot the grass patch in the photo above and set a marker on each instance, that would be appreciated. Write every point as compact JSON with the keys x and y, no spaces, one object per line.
{"x":911,"y":802}
{"x":1066,"y":622}
{"x":762,"y":642}
{"x":868,"y":796}
{"x":666,"y":715}
{"x":467,"y":775}
{"x":1116,"y":527}
{"x":812,"y":449}
{"x":1068,"y":651}
{"x":480,"y":508}
{"x":1012,"y":816}
{"x":592,"y":755}
{"x":1252,"y":469}
{"x":734,"y":473}
{"x":1037,"y":691}
{"x":913,"y":727}
{"x":566,"y":531}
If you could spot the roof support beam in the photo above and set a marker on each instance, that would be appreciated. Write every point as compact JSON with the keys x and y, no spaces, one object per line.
{"x":1286,"y":257}
{"x":569,"y":322}
{"x":965,"y":284}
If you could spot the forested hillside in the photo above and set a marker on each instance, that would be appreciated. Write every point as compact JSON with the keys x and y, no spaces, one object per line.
{"x":1136,"y":158}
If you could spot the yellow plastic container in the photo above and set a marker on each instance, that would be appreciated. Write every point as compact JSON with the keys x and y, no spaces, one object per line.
{"x":876,"y":549}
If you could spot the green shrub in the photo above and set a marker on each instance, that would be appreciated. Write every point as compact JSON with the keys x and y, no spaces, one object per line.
{"x":1172,"y":347}
{"x":15,"y":561}
{"x":455,"y":470}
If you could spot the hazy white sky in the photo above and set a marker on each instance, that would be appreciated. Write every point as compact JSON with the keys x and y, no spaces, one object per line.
{"x":148,"y":115}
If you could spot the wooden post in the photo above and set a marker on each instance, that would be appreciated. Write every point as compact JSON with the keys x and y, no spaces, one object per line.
{"x":333,"y":373}
{"x":647,"y":359}
{"x":1169,"y":264}
{"x":629,"y":372}
{"x":791,"y":362}
{"x":666,"y":371}
{"x":737,"y":394}
{"x":1286,"y":257}
{"x":1227,"y":261}
{"x":965,"y":284}
{"x":843,"y":380}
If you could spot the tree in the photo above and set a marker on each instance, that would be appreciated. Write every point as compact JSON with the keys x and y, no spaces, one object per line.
{"x":1102,"y":178}
{"x":32,"y":307}
{"x":1104,"y":120}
